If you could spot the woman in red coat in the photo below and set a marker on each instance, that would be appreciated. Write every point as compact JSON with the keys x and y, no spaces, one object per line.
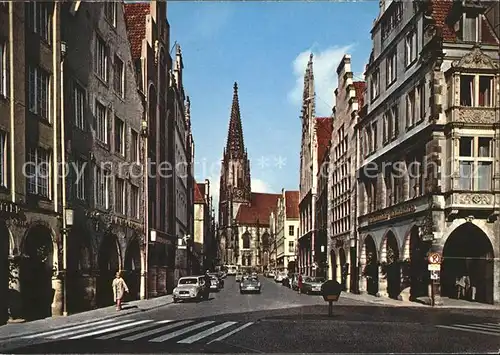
{"x":299,"y":283}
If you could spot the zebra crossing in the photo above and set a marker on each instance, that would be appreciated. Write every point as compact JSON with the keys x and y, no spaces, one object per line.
{"x":480,"y":328}
{"x":152,"y":331}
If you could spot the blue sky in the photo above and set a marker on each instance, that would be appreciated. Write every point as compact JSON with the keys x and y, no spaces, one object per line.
{"x":264,"y":46}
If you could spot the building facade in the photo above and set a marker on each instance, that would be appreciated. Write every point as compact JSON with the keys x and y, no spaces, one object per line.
{"x":316,"y":134}
{"x":433,"y":102}
{"x":205,"y":248}
{"x":243,"y":214}
{"x":286,"y":231}
{"x":343,"y":152}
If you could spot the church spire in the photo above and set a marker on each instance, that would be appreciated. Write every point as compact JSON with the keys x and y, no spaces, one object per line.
{"x":235,"y":146}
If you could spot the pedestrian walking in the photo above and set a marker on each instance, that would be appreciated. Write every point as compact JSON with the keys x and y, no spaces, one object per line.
{"x":299,"y":284}
{"x":119,"y":289}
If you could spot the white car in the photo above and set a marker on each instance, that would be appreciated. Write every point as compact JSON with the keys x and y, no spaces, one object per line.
{"x":191,"y":288}
{"x":280,"y":276}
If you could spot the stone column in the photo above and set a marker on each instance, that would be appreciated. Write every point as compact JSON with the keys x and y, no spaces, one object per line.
{"x":152,"y":282}
{"x":15,"y":302}
{"x":382,"y":284}
{"x":57,"y":301}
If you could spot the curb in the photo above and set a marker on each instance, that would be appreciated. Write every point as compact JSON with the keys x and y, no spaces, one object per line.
{"x":85,"y":321}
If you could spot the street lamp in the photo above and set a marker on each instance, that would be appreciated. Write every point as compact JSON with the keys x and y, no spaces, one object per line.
{"x":68,"y":222}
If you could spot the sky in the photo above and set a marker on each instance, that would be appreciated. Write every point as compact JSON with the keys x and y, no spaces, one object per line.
{"x":264,"y":46}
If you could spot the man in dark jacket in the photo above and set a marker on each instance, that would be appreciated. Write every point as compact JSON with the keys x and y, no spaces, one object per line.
{"x":208,"y":281}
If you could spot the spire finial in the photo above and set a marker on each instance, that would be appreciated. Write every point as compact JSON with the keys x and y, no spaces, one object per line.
{"x":235,"y":87}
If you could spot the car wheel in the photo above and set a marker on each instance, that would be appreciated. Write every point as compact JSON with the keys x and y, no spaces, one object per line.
{"x":176,"y":300}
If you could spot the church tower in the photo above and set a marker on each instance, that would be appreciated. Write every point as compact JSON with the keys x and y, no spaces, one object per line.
{"x":235,"y":187}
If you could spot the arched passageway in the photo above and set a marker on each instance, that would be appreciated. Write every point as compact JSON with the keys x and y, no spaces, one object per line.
{"x":419,"y":275}
{"x":109,"y":264}
{"x":343,"y":269}
{"x":4,"y":272}
{"x":468,"y":253}
{"x":132,"y":268}
{"x":36,"y":273}
{"x":393,"y":267}
{"x":79,"y":287}
{"x":371,"y":266}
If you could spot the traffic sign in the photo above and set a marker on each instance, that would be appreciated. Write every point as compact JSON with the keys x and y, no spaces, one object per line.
{"x":434,"y":267}
{"x":435,"y":258}
{"x":434,"y":275}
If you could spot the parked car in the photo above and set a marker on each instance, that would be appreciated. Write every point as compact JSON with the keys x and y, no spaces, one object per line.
{"x":271,"y":274}
{"x":287,"y":281}
{"x":220,"y":280}
{"x":280,"y":276}
{"x":250,"y":284}
{"x":239,"y":276}
{"x":312,"y":285}
{"x":191,"y":288}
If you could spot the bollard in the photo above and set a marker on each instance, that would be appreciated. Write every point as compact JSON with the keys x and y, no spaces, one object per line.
{"x":330,"y":309}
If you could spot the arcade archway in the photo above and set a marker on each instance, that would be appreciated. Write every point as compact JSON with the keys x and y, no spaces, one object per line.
{"x":132,"y":268}
{"x":393,"y":267}
{"x":109,"y":264}
{"x":343,"y":269}
{"x":371,"y":266}
{"x":4,"y":272}
{"x":468,"y":252}
{"x":79,"y":286}
{"x":36,"y":273}
{"x":419,"y":275}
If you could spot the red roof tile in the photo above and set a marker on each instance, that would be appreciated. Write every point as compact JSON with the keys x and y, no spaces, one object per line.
{"x":259,"y":210}
{"x":324,"y":126}
{"x":199,"y":197}
{"x":292,"y":204}
{"x":440,"y":10}
{"x":359,"y":87}
{"x":135,"y":19}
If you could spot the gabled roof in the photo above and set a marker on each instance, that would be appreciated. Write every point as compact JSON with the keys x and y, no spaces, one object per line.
{"x":359,"y":87}
{"x":292,"y":204}
{"x":324,"y":126}
{"x":135,"y":20}
{"x":259,"y":210}
{"x":440,"y":10}
{"x":199,"y":197}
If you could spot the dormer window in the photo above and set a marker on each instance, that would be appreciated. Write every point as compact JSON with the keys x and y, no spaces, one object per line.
{"x":469,"y":28}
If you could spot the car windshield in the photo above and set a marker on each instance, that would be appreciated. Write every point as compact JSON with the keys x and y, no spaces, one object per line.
{"x":318,"y":279}
{"x":190,"y":281}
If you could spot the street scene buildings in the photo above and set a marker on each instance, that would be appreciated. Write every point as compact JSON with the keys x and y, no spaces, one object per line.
{"x":286,"y":229}
{"x":86,"y":92}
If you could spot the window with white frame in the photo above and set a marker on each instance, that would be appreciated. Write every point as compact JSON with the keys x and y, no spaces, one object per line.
{"x":398,"y":182}
{"x":39,"y":92}
{"x":119,"y":136}
{"x":475,"y":163}
{"x":101,"y":122}
{"x":375,"y":135}
{"x":120,"y":196}
{"x":291,"y":231}
{"x":39,"y":18}
{"x":3,"y":159}
{"x":119,"y":77}
{"x":101,"y":59}
{"x":385,"y":128}
{"x":79,"y":178}
{"x":375,"y":84}
{"x":395,"y":121}
{"x":110,"y":9}
{"x":134,"y":146}
{"x":470,"y":25}
{"x":421,"y":101}
{"x":391,"y":67}
{"x":476,"y":90}
{"x":410,"y":109}
{"x":134,"y":201}
{"x":3,"y":69}
{"x":291,"y":246}
{"x":102,"y":188}
{"x":38,"y":172}
{"x":79,"y":106}
{"x":411,"y":47}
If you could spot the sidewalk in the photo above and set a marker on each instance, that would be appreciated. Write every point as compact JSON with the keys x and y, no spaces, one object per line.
{"x":448,"y":303}
{"x":13,"y":330}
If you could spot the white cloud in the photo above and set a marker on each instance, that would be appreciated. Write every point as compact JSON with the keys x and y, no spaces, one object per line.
{"x":325,"y":65}
{"x":259,"y":185}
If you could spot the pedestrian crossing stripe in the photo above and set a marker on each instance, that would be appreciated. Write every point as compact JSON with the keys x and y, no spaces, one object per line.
{"x":183,"y":332}
{"x":480,"y":328}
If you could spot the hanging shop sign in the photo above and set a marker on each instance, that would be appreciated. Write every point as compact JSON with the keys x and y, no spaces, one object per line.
{"x":392,"y":213}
